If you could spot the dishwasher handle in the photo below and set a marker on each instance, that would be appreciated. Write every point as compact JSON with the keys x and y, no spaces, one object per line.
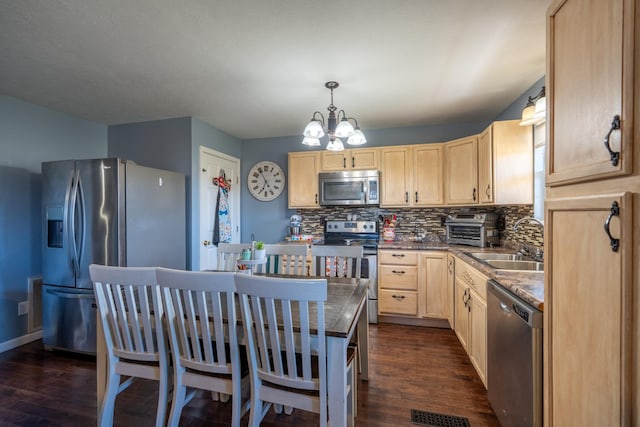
{"x":509,"y":302}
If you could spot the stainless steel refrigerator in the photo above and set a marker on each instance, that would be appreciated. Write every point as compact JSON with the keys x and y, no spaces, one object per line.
{"x":102,"y":211}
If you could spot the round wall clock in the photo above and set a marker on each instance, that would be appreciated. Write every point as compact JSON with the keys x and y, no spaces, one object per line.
{"x":266,"y":181}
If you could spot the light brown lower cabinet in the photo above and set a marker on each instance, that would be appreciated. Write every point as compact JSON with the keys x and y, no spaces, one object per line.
{"x":414,"y":284}
{"x":588,"y":310}
{"x":470,"y":322}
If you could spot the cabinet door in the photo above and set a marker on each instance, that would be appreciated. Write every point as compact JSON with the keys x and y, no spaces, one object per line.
{"x":428,"y":162}
{"x":434,"y":276}
{"x":461,"y":320}
{"x":590,"y":80}
{"x":396,"y":176}
{"x":461,"y":172}
{"x":478,"y":335}
{"x":485,"y":166}
{"x":363,"y":158}
{"x":303,"y":180}
{"x":451,"y":288}
{"x":332,"y":161}
{"x":588,"y":316}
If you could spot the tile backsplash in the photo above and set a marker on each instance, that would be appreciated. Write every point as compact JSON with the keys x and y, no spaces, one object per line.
{"x":430,"y":220}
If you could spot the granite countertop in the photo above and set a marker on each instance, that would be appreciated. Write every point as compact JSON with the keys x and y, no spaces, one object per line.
{"x":527,"y":285}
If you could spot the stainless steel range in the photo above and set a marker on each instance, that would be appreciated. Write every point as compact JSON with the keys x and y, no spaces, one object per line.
{"x":366,"y":234}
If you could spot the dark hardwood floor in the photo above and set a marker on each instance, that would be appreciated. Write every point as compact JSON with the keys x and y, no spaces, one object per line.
{"x":410,"y":368}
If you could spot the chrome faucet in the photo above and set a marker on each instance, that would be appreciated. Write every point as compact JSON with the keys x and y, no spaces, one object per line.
{"x":527,"y":218}
{"x":539,"y":254}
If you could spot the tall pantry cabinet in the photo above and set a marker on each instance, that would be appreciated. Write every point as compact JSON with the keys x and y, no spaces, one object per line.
{"x":592,"y":215}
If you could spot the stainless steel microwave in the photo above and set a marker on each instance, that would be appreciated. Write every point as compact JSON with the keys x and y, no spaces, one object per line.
{"x":349,"y":188}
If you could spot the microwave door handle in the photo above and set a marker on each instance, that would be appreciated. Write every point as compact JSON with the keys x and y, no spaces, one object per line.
{"x":366,"y":192}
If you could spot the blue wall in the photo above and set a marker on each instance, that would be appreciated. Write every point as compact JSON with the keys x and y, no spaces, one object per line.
{"x":203,"y":134}
{"x":29,"y":135}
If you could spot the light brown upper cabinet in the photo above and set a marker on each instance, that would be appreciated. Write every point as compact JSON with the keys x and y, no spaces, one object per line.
{"x":590,"y":86}
{"x":356,"y":159}
{"x":303,"y":179}
{"x":395,"y":176}
{"x":428,"y":165}
{"x":505,"y":164}
{"x":412,"y":175}
{"x":461,"y":171}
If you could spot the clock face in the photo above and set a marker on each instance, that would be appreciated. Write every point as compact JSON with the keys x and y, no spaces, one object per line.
{"x":266,"y":181}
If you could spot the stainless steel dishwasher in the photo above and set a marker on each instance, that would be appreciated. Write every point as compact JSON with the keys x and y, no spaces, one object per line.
{"x":514,"y":358}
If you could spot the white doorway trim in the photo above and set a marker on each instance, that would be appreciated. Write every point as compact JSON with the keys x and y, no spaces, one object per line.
{"x":207,"y":252}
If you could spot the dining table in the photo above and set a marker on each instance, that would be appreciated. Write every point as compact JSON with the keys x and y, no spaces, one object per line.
{"x":346,"y":315}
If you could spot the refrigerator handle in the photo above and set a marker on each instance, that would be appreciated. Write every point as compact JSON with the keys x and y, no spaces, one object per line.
{"x":72,"y":222}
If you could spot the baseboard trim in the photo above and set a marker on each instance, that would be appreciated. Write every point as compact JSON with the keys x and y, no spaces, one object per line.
{"x":17,"y":342}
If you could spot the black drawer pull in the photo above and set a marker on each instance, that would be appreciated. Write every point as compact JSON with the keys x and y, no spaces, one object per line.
{"x":398,"y":255}
{"x":400,"y":297}
{"x":614,"y":155}
{"x":615,"y":211}
{"x":398,"y":271}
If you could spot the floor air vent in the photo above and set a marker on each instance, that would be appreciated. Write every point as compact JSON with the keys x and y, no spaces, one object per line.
{"x":432,"y":419}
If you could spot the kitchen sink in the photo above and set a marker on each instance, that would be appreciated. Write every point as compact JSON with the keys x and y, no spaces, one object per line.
{"x":518,"y":265}
{"x":493,"y":256}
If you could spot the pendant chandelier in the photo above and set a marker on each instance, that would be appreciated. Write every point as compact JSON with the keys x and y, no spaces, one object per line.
{"x":336,"y":127}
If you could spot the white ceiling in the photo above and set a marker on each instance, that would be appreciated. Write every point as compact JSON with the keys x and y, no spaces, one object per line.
{"x":257,"y":68}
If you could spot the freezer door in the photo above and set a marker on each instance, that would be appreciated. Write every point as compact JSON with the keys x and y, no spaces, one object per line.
{"x":96,"y":214}
{"x":58,"y":180}
{"x":69,"y":319}
{"x":156,"y":217}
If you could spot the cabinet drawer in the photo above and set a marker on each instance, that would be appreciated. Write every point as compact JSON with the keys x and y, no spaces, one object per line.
{"x":398,"y":277}
{"x":398,"y":302}
{"x":472,"y":278}
{"x":398,"y":257}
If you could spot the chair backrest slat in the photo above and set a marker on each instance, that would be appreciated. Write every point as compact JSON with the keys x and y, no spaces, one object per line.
{"x":202,"y":315}
{"x":131,"y":310}
{"x":289,"y":259}
{"x":337,"y":261}
{"x":228,"y":254}
{"x":277,"y":314}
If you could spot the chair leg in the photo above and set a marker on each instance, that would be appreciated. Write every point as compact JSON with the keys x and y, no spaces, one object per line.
{"x":179,"y":393}
{"x":108,"y":402}
{"x":163,"y":398}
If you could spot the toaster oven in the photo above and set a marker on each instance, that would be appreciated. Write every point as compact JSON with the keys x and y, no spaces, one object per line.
{"x":474,"y":229}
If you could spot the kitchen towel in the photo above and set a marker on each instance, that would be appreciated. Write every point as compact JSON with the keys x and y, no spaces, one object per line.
{"x":222,"y":220}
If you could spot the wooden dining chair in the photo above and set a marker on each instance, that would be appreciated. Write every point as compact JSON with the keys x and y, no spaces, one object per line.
{"x":289,"y":259}
{"x":228,"y":254}
{"x":131,"y":310}
{"x":336,"y":261}
{"x":201,"y":316}
{"x":285,"y":334}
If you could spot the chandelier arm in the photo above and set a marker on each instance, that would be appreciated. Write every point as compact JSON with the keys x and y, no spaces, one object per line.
{"x":321,"y":117}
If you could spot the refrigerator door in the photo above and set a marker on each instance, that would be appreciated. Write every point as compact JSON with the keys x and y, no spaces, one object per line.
{"x":70,"y":319}
{"x":58,"y":186}
{"x":156,"y":217}
{"x":96,"y":216}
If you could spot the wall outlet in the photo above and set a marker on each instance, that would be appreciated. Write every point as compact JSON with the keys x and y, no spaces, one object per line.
{"x":23,"y":308}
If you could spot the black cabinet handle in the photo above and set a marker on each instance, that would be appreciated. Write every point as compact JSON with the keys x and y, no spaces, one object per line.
{"x":614,"y":155}
{"x":406,"y":197}
{"x":487,"y":190}
{"x":615,"y":211}
{"x":344,"y":163}
{"x":316,"y":198}
{"x":474,"y":194}
{"x":398,"y":271}
{"x":353,"y":162}
{"x":400,"y":297}
{"x":398,"y":255}
{"x":416,"y":197}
